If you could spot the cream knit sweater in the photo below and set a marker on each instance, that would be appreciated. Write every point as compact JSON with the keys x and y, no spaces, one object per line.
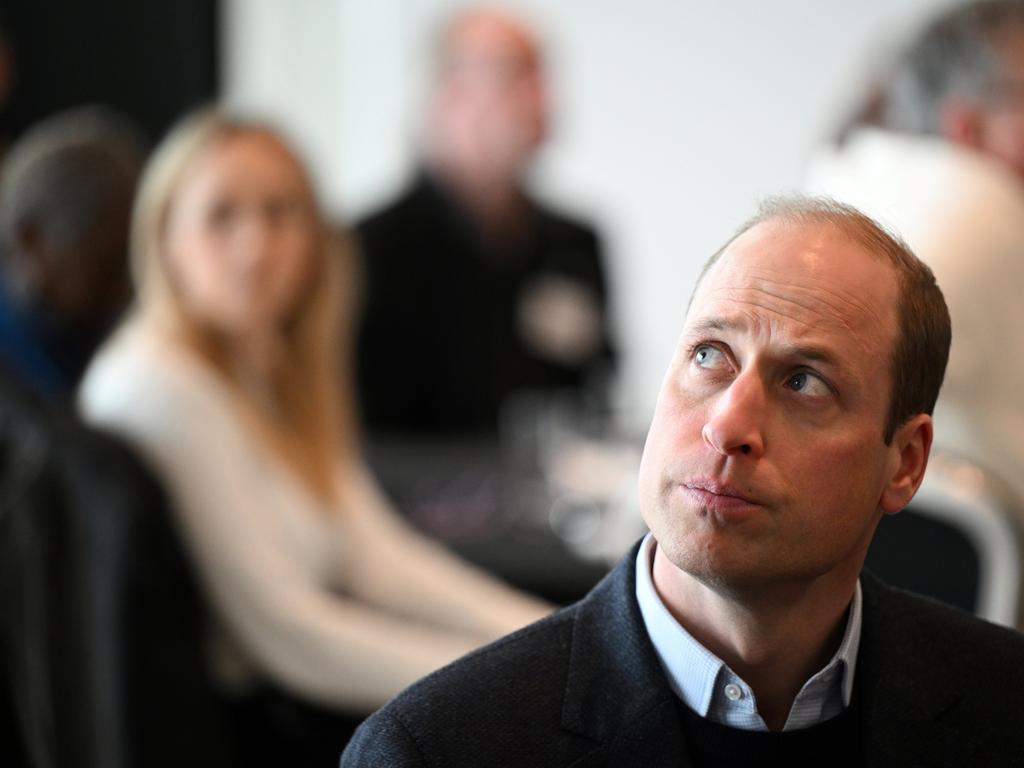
{"x":342,"y":606}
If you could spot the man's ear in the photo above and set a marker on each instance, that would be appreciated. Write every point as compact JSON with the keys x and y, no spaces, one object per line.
{"x":27,"y":260}
{"x":909,"y":448}
{"x":961,"y":123}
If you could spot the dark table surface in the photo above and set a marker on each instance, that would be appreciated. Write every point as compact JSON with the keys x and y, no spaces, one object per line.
{"x":485,"y":504}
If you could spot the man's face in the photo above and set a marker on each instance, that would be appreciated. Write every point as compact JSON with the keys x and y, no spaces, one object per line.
{"x":765,"y":461}
{"x":77,"y":278}
{"x":492,"y":104}
{"x":1001,"y":122}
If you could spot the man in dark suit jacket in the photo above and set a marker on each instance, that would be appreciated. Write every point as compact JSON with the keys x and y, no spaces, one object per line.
{"x":472,"y":318}
{"x":585,"y":688}
{"x":481,"y":308}
{"x":473,"y":289}
{"x":742,"y":632}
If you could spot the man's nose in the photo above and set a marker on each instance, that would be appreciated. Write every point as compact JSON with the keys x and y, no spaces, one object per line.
{"x":736,"y":421}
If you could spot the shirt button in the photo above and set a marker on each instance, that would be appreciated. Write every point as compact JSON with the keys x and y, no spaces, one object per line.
{"x":733,"y":692}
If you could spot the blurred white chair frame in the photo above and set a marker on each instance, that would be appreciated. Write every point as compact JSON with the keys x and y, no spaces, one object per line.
{"x":962,"y":494}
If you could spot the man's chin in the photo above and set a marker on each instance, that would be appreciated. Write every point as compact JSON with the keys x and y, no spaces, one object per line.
{"x":720,"y":566}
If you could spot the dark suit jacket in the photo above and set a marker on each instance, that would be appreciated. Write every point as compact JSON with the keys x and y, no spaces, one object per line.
{"x":439,"y":343}
{"x":101,"y":622}
{"x":585,"y":688}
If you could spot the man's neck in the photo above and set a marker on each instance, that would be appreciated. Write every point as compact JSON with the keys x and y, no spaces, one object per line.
{"x":495,"y":201}
{"x":775,"y":642}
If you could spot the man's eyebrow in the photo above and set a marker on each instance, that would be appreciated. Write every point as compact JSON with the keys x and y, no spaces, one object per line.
{"x":808,"y":352}
{"x":712,"y":324}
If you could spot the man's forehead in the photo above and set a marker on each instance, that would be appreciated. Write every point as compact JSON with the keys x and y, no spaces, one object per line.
{"x":802,"y":253}
{"x":488,"y":36}
{"x":805,"y":274}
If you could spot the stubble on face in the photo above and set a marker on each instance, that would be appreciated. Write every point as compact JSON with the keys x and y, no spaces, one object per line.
{"x":746,"y":478}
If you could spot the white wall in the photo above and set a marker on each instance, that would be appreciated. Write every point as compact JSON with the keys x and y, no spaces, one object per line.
{"x":673,"y":117}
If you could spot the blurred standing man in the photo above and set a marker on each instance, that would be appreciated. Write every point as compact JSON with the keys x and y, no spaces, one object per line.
{"x":741,"y":631}
{"x":474,"y":290}
{"x":946,"y":171}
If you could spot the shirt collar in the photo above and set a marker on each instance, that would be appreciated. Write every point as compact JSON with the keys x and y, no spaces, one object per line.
{"x":700,"y":678}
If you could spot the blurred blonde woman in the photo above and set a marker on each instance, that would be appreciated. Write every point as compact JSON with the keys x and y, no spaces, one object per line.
{"x":227,"y":376}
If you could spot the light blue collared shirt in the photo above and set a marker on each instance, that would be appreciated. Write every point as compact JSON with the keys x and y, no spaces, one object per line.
{"x":712,"y":690}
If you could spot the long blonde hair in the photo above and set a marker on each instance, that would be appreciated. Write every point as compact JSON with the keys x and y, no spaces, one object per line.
{"x":313,"y":427}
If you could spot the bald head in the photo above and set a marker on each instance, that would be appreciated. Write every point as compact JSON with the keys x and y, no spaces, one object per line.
{"x":918,"y":359}
{"x":482,"y":35}
{"x":488,"y":112}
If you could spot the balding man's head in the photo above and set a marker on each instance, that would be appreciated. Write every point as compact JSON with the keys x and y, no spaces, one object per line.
{"x":488,"y":113}
{"x":917,"y":362}
{"x":765,"y":462}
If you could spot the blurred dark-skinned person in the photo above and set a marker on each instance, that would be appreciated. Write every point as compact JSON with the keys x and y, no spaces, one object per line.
{"x":66,"y":190}
{"x":943,"y":165}
{"x":474,"y":289}
{"x":99,"y":606}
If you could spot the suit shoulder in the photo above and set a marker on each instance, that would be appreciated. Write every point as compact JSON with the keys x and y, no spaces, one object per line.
{"x":417,"y":205}
{"x":383,"y":740}
{"x":513,"y":687}
{"x":964,"y":641}
{"x":508,"y":667}
{"x":566,"y":226}
{"x":385,"y":217}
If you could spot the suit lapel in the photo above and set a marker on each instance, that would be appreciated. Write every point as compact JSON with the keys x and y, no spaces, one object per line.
{"x":616,"y":692}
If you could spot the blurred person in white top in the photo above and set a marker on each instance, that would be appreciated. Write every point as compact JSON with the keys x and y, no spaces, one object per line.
{"x":231,"y":378}
{"x":943,"y":166}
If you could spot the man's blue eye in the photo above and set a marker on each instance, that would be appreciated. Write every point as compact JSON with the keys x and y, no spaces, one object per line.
{"x":808,"y":383}
{"x":706,"y":356}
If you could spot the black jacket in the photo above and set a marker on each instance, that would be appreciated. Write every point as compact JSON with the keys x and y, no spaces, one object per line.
{"x":584,"y":687}
{"x":100,"y":619}
{"x":440,"y":346}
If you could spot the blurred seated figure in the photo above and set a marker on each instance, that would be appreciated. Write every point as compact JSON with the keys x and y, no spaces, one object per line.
{"x":99,"y":608}
{"x":65,"y":199}
{"x":227,"y":375}
{"x":101,"y":620}
{"x":946,"y":171}
{"x":474,"y":290}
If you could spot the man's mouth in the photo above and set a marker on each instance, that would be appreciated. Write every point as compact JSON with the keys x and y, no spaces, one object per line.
{"x":722,"y":499}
